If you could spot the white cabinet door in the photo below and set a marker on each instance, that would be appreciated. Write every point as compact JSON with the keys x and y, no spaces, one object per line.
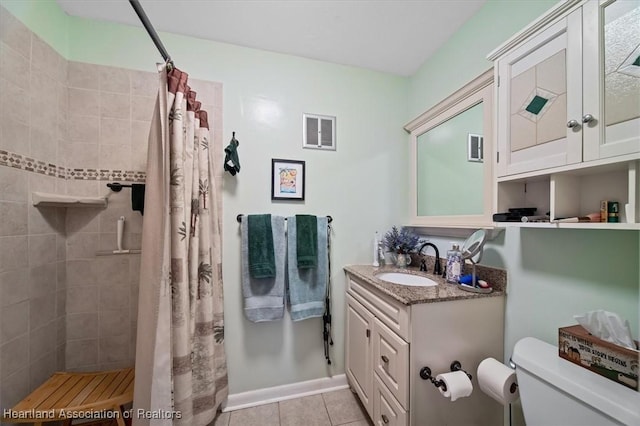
{"x":539,"y":94}
{"x":611,"y":78}
{"x":358,"y":351}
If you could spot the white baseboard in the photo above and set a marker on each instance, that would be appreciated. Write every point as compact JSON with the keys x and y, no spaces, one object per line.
{"x":257,"y":397}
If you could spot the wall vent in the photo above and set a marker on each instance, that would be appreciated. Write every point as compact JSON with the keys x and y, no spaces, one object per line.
{"x":476,"y":148}
{"x":319,"y":132}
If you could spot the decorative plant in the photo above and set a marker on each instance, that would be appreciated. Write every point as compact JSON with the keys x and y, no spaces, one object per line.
{"x":400,"y":241}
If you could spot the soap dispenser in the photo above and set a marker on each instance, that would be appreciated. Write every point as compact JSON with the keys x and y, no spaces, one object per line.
{"x":454,"y":264}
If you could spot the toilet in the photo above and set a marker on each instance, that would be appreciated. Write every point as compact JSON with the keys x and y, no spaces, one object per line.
{"x":554,"y":391}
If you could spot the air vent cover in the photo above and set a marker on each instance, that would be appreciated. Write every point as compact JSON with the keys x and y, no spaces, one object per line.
{"x":319,"y":132}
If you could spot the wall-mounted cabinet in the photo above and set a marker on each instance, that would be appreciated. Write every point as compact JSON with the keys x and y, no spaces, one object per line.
{"x":568,"y":113}
{"x":569,"y":88}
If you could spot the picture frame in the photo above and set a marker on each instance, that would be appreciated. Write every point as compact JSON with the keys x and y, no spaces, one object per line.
{"x":287,"y":179}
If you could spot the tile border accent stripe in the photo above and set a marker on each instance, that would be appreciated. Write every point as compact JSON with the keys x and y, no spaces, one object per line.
{"x":22,"y":162}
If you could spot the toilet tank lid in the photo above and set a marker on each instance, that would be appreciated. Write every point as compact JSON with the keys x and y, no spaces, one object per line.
{"x":542,"y":360}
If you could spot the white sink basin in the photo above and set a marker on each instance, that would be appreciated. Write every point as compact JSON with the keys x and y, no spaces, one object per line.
{"x":406,"y":279}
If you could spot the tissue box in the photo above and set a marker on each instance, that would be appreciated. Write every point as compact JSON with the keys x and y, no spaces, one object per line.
{"x":614,"y":362}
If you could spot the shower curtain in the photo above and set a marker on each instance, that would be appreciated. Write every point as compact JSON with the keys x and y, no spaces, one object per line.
{"x":181,"y":375}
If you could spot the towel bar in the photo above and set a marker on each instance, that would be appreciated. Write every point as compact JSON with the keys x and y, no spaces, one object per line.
{"x":239,"y":218}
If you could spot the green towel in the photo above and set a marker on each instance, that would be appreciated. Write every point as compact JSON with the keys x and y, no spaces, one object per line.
{"x":262,"y":263}
{"x":231,"y":158}
{"x":307,"y":241}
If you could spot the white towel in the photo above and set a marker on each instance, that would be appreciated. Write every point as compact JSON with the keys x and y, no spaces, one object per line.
{"x":264,"y":297}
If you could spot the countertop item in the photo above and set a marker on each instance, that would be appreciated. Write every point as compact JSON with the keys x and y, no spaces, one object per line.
{"x":409,"y":295}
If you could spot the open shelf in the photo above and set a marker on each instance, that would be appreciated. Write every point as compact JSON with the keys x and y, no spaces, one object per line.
{"x":600,"y":225}
{"x":579,"y":225}
{"x":457,"y":231}
{"x":117,"y":253}
{"x":573,"y":193}
{"x":43,"y":199}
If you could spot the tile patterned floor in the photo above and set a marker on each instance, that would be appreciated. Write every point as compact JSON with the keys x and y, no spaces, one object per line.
{"x":337,"y":408}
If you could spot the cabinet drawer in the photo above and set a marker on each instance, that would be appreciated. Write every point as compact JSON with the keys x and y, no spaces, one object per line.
{"x":386,"y":410}
{"x":392,"y":313}
{"x":391,"y":362}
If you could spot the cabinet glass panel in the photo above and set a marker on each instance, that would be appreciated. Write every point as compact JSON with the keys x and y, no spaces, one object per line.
{"x":621,"y":70}
{"x":538,"y":101}
{"x":450,"y":150}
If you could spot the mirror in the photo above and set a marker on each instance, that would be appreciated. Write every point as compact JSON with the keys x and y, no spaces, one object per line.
{"x":621,"y":69}
{"x":472,"y":247}
{"x":445,"y":148}
{"x":472,"y":250}
{"x":452,"y":158}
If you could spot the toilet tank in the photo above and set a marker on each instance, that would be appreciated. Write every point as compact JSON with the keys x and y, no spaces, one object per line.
{"x":554,"y":391}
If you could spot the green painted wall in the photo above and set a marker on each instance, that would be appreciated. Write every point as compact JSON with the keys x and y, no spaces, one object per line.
{"x":265,"y":95}
{"x":361,"y":185}
{"x":45,"y":18}
{"x":552,"y":274}
{"x":555,"y":273}
{"x":463,"y":57}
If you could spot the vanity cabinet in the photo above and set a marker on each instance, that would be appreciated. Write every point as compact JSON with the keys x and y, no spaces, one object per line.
{"x":568,"y":88}
{"x":358,"y":354}
{"x":568,"y":113}
{"x":377,"y":330}
{"x":388,"y":342}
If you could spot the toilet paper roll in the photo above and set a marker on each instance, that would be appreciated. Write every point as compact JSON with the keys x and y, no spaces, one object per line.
{"x":458,"y":384}
{"x":498,"y":381}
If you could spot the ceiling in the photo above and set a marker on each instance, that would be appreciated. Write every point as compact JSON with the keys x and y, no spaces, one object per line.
{"x":382,"y":35}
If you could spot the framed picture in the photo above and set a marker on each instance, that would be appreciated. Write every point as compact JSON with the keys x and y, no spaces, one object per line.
{"x":287,"y":179}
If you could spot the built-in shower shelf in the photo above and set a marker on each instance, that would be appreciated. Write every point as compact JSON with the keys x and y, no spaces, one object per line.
{"x":43,"y":199}
{"x":117,"y":253}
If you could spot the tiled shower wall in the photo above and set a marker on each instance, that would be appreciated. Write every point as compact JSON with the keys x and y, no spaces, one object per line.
{"x":109,"y":113}
{"x":69,"y":128}
{"x":33,"y":110}
{"x":109,"y":118}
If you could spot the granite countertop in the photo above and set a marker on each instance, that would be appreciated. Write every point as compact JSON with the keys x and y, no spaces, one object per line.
{"x":409,"y":295}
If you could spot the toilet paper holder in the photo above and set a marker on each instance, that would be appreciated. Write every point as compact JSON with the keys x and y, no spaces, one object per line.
{"x":425,"y":374}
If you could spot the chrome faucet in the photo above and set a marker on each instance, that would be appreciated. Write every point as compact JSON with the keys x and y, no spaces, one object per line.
{"x":436,"y":269}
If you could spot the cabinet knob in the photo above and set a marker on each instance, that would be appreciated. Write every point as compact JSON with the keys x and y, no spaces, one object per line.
{"x":587,"y":118}
{"x":572,"y":124}
{"x":385,"y":419}
{"x":384,"y":359}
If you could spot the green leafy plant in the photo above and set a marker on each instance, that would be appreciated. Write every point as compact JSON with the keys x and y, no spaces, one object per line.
{"x":400,"y":241}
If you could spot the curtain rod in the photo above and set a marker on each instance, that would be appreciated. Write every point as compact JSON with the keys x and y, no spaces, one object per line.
{"x":152,"y":32}
{"x":239,"y":218}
